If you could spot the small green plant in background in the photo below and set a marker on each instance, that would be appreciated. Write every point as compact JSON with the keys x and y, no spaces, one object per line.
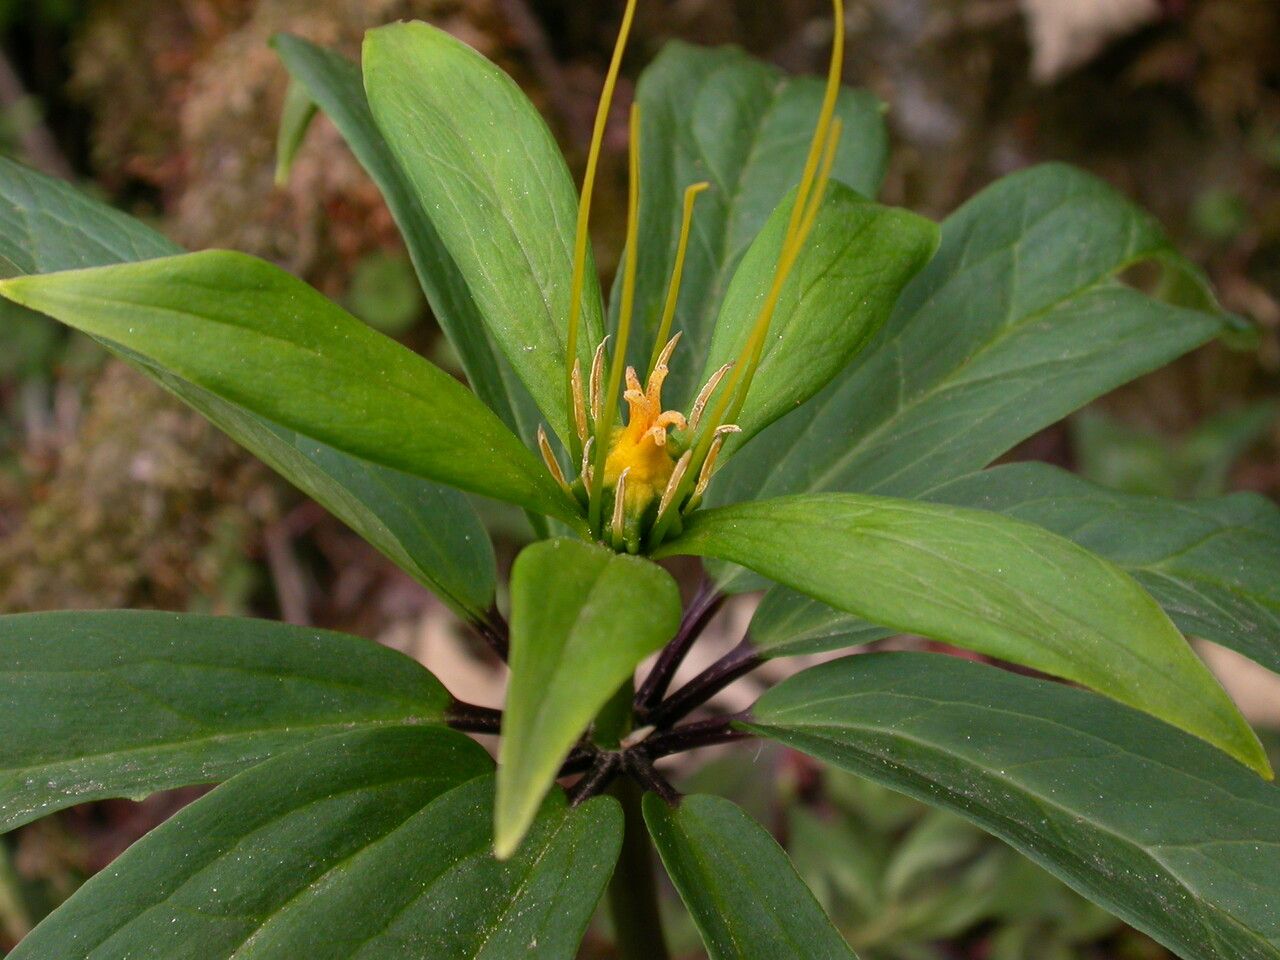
{"x":813,"y":386}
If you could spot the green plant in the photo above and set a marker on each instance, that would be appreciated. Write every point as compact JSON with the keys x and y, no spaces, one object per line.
{"x":848,"y":381}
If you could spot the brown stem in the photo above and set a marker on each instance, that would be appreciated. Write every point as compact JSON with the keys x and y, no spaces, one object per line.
{"x":691,"y":736}
{"x":470,"y":718}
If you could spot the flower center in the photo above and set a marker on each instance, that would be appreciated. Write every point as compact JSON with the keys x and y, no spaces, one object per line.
{"x":640,"y":449}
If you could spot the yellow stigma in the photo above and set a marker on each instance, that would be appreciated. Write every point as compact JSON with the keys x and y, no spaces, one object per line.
{"x":640,"y":449}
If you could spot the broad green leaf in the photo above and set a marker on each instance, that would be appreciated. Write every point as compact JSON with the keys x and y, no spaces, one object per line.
{"x":48,"y":225}
{"x":582,"y":619}
{"x":370,"y":845}
{"x":430,"y":531}
{"x":335,"y":85}
{"x":983,"y":582}
{"x":1214,"y":565}
{"x":743,"y":892}
{"x":854,"y":265}
{"x":1142,"y":819}
{"x":717,"y":115}
{"x":1017,"y":321}
{"x":123,"y":703}
{"x":789,"y":624}
{"x":264,"y":340}
{"x":486,"y":170}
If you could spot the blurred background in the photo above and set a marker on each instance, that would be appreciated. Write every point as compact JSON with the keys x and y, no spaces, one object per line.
{"x":111,"y":495}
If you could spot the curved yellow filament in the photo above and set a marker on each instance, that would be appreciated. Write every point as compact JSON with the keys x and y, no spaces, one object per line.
{"x":816,"y":172}
{"x":584,"y":204}
{"x":677,"y":273}
{"x":625,"y":312}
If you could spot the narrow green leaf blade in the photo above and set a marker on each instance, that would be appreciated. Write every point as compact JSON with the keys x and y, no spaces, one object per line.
{"x":485,"y":168}
{"x":370,"y":844}
{"x":582,"y":619}
{"x":855,"y":263}
{"x":1017,"y":322}
{"x":1214,"y":565}
{"x":739,"y":885}
{"x":335,"y":85}
{"x":986,"y":583}
{"x":789,"y":624}
{"x":1150,"y":823}
{"x":430,"y":531}
{"x":262,"y":339}
{"x":719,"y":116}
{"x":123,"y":703}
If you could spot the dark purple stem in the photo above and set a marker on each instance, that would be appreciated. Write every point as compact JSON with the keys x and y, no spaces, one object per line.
{"x":643,"y":772}
{"x":704,"y":605}
{"x":470,"y":718}
{"x":738,"y":662}
{"x":606,"y":767}
{"x":691,"y":736}
{"x":493,"y":629}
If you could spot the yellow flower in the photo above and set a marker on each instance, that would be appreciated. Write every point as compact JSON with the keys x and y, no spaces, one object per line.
{"x":640,"y":449}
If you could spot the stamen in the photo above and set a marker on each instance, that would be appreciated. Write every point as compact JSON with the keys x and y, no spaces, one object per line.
{"x":586,"y":462}
{"x":588,"y":188}
{"x":605,"y":423}
{"x":597,"y":375}
{"x":677,"y":273}
{"x":704,"y":395}
{"x":734,"y":397}
{"x":579,"y":407}
{"x":709,"y":465}
{"x":549,"y":458}
{"x":677,"y":475}
{"x":619,"y":507}
{"x":664,"y":358}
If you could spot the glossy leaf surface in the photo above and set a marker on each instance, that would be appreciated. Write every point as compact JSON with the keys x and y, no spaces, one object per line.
{"x":1016,"y":322}
{"x":1154,"y":825}
{"x":855,"y":263}
{"x":488,"y":173}
{"x":1214,"y":565}
{"x":716,"y":115}
{"x":582,"y":619}
{"x":743,"y":892}
{"x":983,"y":582}
{"x":370,"y":844}
{"x":264,"y":340}
{"x":123,"y":703}
{"x":335,"y":86}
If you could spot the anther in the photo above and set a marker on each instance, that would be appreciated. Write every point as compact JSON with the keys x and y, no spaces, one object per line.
{"x":597,"y":379}
{"x":673,"y":485}
{"x":586,"y":461}
{"x":709,"y":465}
{"x":549,"y":458}
{"x":704,"y":396}
{"x":579,"y":407}
{"x":619,"y":510}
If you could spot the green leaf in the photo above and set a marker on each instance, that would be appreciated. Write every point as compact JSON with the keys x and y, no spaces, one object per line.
{"x":984,"y":582}
{"x":1214,"y":565}
{"x":719,"y":116}
{"x":789,"y":624}
{"x":123,"y":703}
{"x":487,"y":171}
{"x":430,"y":531}
{"x":1150,"y":823}
{"x":264,"y":340}
{"x":1018,"y":321}
{"x":334,"y":83}
{"x":855,"y":263}
{"x":295,"y":119}
{"x":582,"y":619}
{"x":48,"y":225}
{"x":371,"y":844}
{"x":738,"y":884}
